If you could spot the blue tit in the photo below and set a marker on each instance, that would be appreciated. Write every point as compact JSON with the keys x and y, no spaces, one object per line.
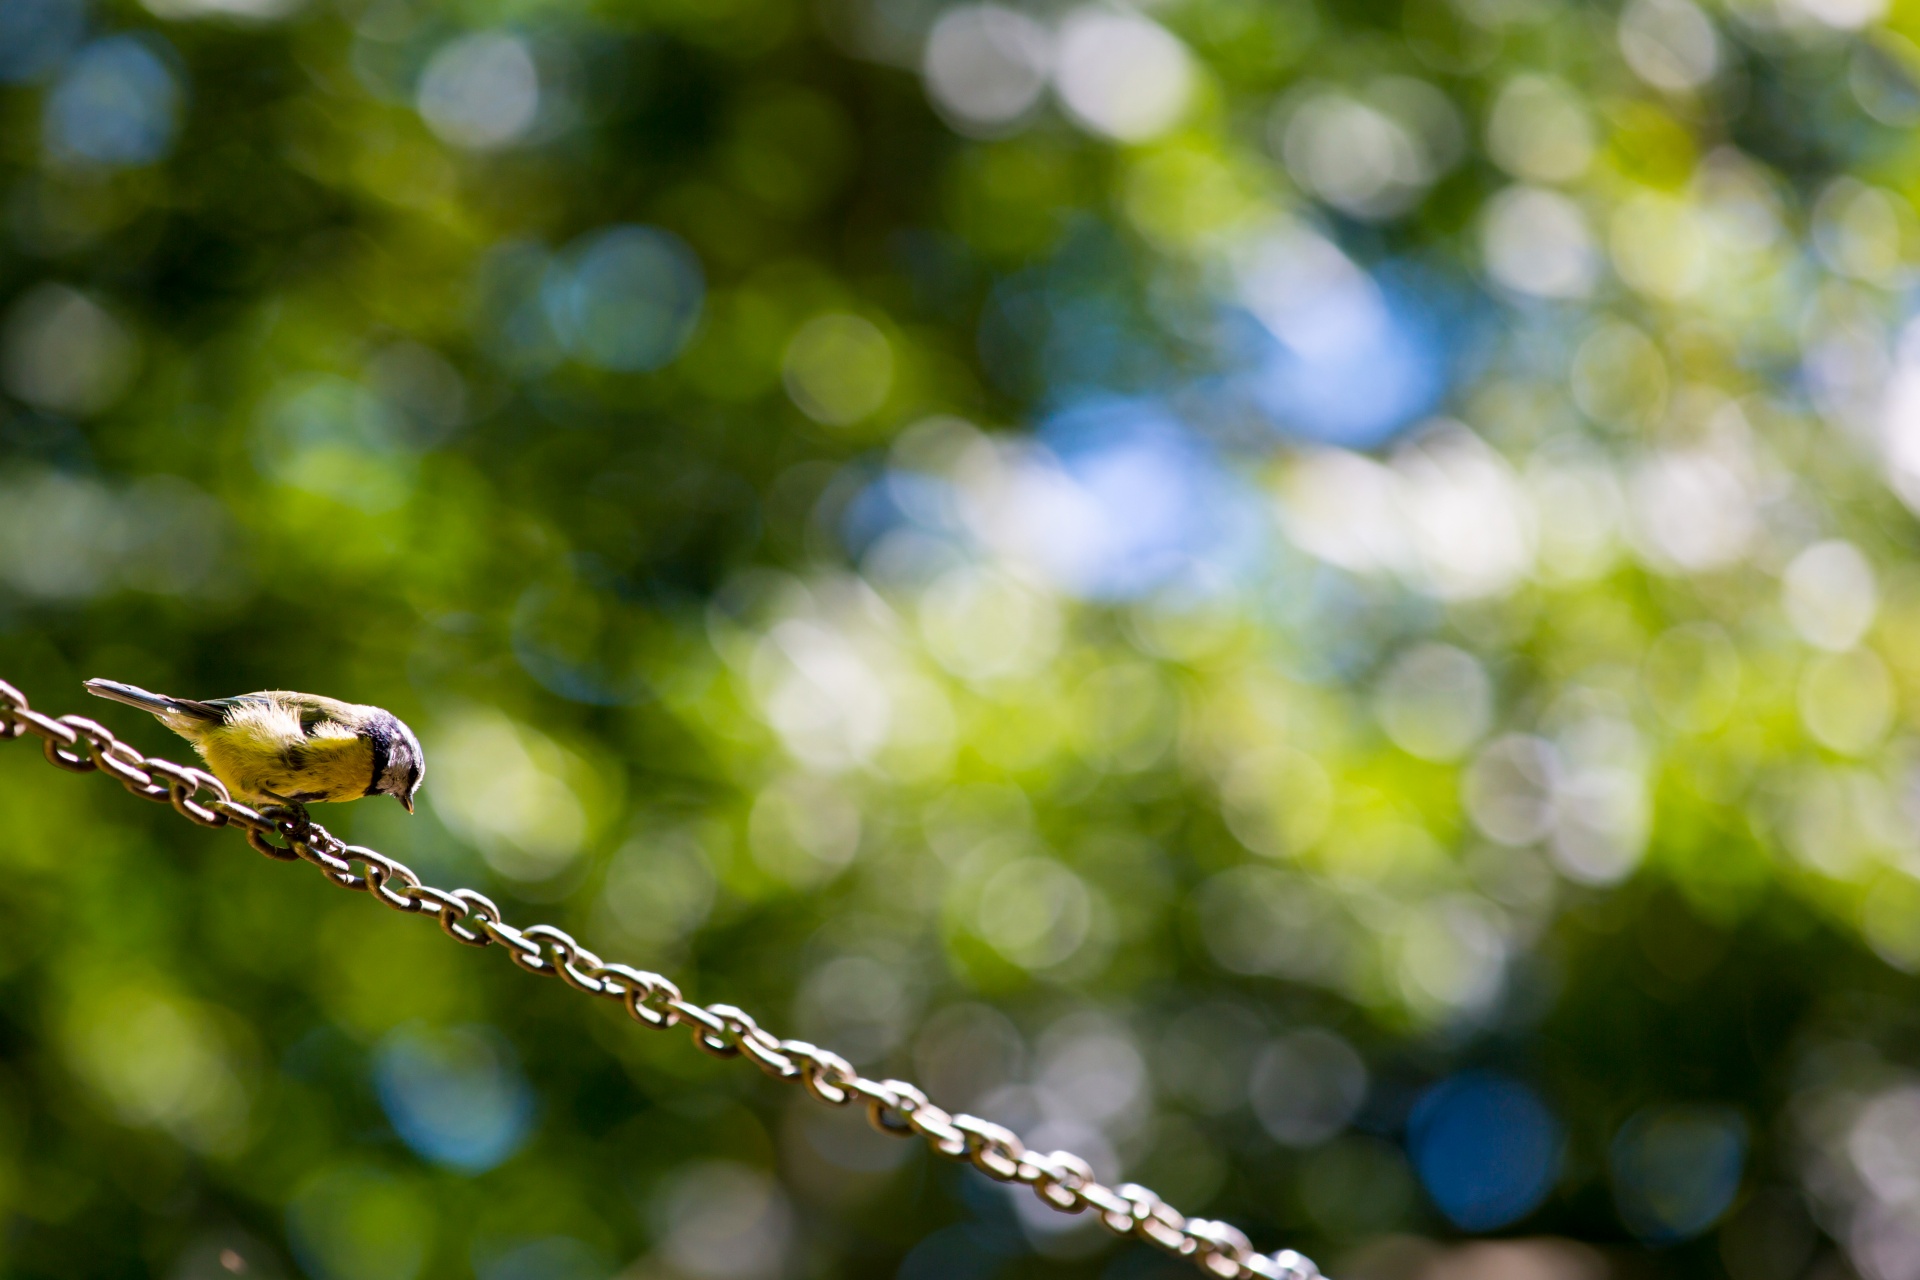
{"x":289,"y":747}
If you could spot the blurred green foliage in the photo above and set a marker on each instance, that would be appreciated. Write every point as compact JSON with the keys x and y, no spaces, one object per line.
{"x":1315,"y":602}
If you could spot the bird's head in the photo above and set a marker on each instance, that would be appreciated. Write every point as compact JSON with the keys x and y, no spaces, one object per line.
{"x":398,"y":763}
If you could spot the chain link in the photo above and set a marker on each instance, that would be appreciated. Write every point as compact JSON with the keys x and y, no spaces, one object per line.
{"x":1061,"y":1180}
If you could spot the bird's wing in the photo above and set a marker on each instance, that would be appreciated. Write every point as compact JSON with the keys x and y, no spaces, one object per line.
{"x":238,"y":700}
{"x":313,"y":712}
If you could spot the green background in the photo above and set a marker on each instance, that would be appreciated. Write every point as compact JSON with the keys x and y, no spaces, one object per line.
{"x":1316,"y":601}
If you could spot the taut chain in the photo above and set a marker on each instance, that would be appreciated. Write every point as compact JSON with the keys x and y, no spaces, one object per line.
{"x":1061,"y":1179}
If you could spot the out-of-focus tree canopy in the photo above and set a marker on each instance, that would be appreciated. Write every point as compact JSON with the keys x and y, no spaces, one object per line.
{"x":1314,"y":601}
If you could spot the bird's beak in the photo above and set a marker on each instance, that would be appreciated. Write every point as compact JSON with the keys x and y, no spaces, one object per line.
{"x":406,"y":801}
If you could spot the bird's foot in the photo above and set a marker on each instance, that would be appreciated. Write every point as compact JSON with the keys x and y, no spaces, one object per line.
{"x":291,"y":814}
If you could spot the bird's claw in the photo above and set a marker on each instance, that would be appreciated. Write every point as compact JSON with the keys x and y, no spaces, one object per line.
{"x":293,"y":816}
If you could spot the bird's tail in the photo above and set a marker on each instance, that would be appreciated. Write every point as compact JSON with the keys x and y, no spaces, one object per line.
{"x":158,"y":703}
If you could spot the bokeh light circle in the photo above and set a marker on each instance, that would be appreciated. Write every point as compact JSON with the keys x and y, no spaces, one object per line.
{"x":1486,"y":1148}
{"x":626,"y":298}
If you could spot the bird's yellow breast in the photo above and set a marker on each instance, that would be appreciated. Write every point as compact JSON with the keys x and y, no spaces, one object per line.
{"x":263,"y":752}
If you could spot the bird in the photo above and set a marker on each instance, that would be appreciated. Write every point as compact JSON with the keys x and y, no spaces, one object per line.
{"x":289,"y":748}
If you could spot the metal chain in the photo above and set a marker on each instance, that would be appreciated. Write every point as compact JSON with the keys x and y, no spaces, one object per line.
{"x":1062,"y":1180}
